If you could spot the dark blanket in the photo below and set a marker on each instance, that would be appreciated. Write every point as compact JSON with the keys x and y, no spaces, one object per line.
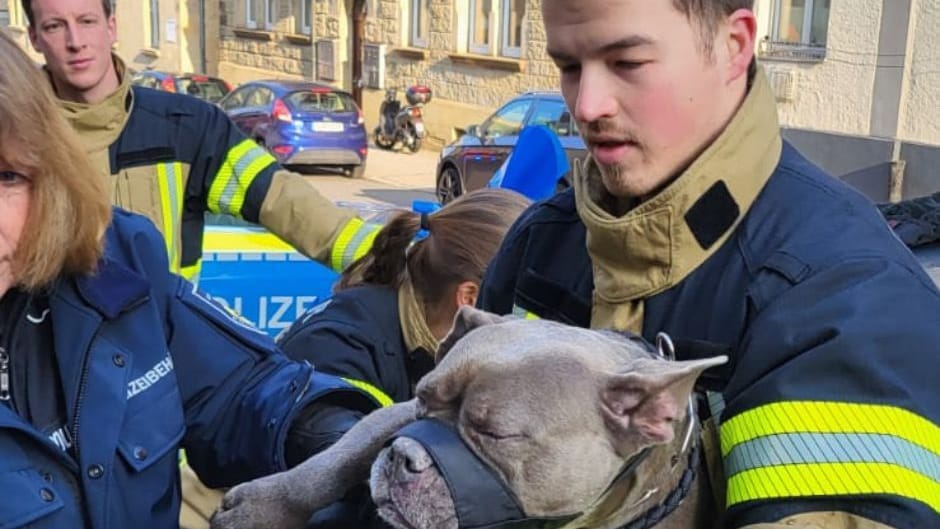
{"x":916,"y":221}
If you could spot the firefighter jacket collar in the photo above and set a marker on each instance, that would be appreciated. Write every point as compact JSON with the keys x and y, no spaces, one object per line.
{"x":100,"y":124}
{"x":414,"y":323}
{"x":661,"y":241}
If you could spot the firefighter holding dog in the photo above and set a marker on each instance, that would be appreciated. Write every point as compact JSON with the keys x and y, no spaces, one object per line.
{"x":692,"y":216}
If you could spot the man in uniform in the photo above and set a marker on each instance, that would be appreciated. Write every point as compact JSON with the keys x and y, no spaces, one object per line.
{"x":172,"y":157}
{"x":692,"y":216}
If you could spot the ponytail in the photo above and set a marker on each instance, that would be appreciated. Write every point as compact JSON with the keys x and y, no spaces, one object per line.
{"x":384,"y":264}
{"x":457,"y":243}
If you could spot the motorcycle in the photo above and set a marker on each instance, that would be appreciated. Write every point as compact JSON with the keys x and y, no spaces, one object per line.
{"x":399,"y":124}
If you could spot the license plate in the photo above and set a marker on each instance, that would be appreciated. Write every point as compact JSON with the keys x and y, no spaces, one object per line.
{"x":327,"y":126}
{"x":419,"y":128}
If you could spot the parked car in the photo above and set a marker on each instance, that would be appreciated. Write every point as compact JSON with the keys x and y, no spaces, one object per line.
{"x":469,"y":162}
{"x":301,"y":123}
{"x":211,"y":89}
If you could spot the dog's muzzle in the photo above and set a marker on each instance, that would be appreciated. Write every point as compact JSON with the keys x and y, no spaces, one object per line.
{"x":482,"y":499}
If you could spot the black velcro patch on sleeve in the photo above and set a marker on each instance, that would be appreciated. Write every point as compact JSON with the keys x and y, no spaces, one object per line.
{"x":712,"y":215}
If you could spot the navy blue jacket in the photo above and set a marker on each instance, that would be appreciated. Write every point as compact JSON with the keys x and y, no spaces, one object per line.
{"x":149,"y":365}
{"x":832,"y":328}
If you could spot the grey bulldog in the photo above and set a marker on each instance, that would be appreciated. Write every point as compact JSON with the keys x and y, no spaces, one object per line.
{"x":578,"y":425}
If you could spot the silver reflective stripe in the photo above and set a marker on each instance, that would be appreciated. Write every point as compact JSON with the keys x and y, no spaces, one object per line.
{"x":806,"y":448}
{"x":227,"y":200}
{"x":349,"y":253}
{"x":716,"y":405}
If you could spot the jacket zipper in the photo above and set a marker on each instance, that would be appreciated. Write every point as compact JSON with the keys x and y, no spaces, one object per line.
{"x":83,"y":382}
{"x":4,"y":375}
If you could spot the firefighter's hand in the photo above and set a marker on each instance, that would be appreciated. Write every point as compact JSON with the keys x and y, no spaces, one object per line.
{"x":264,"y":503}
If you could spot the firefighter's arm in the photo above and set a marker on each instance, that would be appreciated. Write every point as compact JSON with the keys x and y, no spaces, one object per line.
{"x":294,"y":211}
{"x":832,"y":406}
{"x":233,"y":175}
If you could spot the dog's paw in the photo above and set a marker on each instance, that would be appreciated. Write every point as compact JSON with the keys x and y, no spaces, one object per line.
{"x":260,"y":504}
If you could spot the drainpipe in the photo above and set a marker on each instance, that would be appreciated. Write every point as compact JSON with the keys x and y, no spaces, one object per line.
{"x":203,"y":62}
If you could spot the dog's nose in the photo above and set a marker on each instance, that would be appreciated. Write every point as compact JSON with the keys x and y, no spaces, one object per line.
{"x":411,"y":455}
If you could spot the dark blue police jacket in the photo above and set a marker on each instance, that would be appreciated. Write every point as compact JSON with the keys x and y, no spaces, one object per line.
{"x":148,"y":365}
{"x":831,"y":326}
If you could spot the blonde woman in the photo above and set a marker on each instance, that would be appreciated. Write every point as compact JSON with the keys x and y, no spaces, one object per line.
{"x":108,"y":363}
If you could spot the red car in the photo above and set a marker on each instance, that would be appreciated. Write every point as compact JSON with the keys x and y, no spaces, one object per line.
{"x":211,"y":89}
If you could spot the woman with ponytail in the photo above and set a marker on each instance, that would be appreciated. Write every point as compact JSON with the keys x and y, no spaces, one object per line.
{"x":390,"y":309}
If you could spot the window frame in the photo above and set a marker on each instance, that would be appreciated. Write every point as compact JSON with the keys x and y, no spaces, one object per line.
{"x":270,"y":21}
{"x":305,"y":20}
{"x":505,"y":49}
{"x":809,"y":10}
{"x":250,"y":21}
{"x":473,"y":47}
{"x":416,"y":39}
{"x":154,"y":10}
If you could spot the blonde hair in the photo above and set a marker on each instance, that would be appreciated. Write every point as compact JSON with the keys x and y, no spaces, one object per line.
{"x":69,"y":207}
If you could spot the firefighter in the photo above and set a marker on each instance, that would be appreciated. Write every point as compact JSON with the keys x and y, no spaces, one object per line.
{"x":172,"y":157}
{"x":694,"y":217}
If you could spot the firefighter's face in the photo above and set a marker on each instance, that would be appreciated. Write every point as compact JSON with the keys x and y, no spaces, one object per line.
{"x":15,"y":192}
{"x":646,"y":95}
{"x":76,"y":36}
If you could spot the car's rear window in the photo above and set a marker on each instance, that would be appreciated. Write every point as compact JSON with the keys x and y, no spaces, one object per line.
{"x":315,"y":101}
{"x":209,"y":89}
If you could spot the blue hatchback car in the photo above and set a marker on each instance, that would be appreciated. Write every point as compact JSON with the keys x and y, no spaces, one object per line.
{"x":301,"y":123}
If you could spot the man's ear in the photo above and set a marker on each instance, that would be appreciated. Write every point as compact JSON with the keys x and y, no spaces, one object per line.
{"x":466,"y":319}
{"x":651,"y":397}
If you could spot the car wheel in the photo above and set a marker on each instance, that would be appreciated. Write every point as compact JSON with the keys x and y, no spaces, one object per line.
{"x":448,"y":185}
{"x":355,"y":171}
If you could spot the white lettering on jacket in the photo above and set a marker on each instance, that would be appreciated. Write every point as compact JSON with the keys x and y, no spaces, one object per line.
{"x":152,"y":376}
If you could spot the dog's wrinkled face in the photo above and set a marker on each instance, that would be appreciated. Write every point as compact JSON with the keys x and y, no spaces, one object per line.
{"x":553,"y":410}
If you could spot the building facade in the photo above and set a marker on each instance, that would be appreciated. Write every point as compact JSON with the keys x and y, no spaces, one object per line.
{"x":857,"y":86}
{"x":856,"y":80}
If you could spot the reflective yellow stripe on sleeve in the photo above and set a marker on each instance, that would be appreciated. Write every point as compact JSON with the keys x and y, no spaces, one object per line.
{"x":376,"y":393}
{"x":524,"y":314}
{"x":354,"y":241}
{"x":812,"y":448}
{"x":170,"y":185}
{"x":242,"y":164}
{"x":191,"y":273}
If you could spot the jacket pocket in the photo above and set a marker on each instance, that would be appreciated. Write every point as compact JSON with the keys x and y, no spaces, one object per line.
{"x":151,"y":434}
{"x":25,"y":498}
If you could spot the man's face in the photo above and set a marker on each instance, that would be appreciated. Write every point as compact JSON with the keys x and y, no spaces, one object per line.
{"x":646,"y":96}
{"x":15,"y":192}
{"x":75,"y":36}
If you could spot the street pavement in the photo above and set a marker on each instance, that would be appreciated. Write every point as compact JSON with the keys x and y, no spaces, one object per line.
{"x":392,"y":179}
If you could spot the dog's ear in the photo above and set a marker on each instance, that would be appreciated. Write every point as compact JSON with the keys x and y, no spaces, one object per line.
{"x":466,"y":319}
{"x":651,"y":397}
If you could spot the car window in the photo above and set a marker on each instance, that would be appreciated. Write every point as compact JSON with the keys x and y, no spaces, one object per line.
{"x":146,"y":81}
{"x":236,"y":99}
{"x":553,"y":114}
{"x":507,"y":121}
{"x":262,"y":97}
{"x":209,"y":89}
{"x":310,"y":101}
